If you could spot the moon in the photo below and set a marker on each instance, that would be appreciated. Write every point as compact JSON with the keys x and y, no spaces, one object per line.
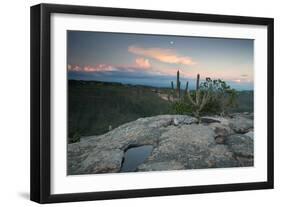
{"x":172,"y":42}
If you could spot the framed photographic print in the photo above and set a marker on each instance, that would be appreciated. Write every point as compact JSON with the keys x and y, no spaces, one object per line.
{"x":133,"y":103}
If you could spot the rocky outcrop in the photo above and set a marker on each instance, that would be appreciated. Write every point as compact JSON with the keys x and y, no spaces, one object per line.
{"x":240,"y":145}
{"x":178,"y":141}
{"x":193,"y":146}
{"x":240,"y":124}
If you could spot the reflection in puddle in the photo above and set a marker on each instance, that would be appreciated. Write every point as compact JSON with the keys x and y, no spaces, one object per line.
{"x":135,"y":156}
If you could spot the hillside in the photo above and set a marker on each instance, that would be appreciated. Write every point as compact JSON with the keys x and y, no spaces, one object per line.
{"x":95,"y":106}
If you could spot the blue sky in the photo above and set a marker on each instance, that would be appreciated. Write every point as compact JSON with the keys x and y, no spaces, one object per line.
{"x":154,"y":59}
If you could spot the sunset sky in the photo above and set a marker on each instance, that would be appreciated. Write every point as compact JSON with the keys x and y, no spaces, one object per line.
{"x":154,"y":59}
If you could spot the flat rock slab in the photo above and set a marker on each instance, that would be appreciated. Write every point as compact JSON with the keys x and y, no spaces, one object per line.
{"x":192,"y":146}
{"x":105,"y":153}
{"x":178,"y":142}
{"x":241,"y":124}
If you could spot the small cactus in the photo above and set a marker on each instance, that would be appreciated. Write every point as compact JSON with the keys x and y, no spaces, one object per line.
{"x":200,"y":99}
{"x":177,"y":91}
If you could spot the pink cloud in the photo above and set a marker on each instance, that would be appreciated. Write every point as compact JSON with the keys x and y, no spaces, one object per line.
{"x":143,"y":63}
{"x":140,"y":64}
{"x":242,"y":80}
{"x":162,"y":55}
{"x":74,"y":67}
{"x":69,"y":67}
{"x":89,"y":68}
{"x":98,"y":68}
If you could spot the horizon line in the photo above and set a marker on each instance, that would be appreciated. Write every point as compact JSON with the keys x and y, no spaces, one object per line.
{"x":151,"y":86}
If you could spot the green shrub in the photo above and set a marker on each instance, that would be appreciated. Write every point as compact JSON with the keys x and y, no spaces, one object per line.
{"x":222,"y":96}
{"x":210,"y":97}
{"x":180,"y":107}
{"x":211,"y":107}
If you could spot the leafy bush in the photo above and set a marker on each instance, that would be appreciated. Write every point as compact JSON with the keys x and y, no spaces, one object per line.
{"x":212,"y":97}
{"x":180,"y":107}
{"x":222,"y":96}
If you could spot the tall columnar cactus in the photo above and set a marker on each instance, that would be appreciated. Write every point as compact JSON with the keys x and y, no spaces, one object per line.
{"x":176,"y":91}
{"x":201,"y":98}
{"x":186,"y":88}
{"x":197,"y":82}
{"x":178,"y":84}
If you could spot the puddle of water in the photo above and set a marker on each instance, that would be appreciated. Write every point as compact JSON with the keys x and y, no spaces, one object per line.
{"x":135,"y":156}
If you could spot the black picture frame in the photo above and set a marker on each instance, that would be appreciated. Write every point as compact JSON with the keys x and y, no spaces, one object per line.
{"x":41,"y":96}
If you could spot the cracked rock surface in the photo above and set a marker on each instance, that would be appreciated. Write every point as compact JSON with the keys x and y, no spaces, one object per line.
{"x":178,"y":141}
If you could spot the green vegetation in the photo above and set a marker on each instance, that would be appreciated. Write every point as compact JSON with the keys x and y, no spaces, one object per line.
{"x":181,"y":107}
{"x":222,"y":98}
{"x":95,"y":107}
{"x":199,"y":99}
{"x":175,"y":93}
{"x":192,"y":102}
{"x":211,"y":97}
